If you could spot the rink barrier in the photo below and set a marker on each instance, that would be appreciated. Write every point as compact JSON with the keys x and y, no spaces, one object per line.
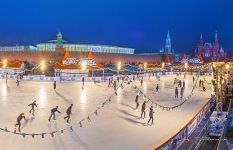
{"x":182,"y":135}
{"x":79,"y":79}
{"x":88,"y":79}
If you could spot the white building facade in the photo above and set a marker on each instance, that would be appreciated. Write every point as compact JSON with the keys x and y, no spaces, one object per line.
{"x":86,"y":48}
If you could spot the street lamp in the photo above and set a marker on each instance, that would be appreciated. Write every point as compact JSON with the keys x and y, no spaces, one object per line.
{"x":42,"y":65}
{"x":145,"y":66}
{"x":163,"y":65}
{"x":118,"y":67}
{"x":4,"y":63}
{"x":84,"y":65}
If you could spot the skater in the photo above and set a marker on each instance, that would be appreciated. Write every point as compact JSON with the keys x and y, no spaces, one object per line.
{"x":193,"y":79}
{"x":157,"y":88}
{"x":180,"y":83}
{"x":200,"y":83}
{"x":109,"y":82}
{"x":83,"y":80}
{"x":136,"y":101}
{"x":53,"y":113}
{"x":133,"y":77}
{"x":181,"y":92}
{"x":114,"y":85}
{"x":151,"y":115}
{"x":204,"y":89}
{"x":183,"y":84}
{"x":20,"y":117}
{"x":68,"y":112}
{"x":143,"y":109}
{"x":17,"y":81}
{"x":176,"y":92}
{"x":118,"y":79}
{"x":141,"y":82}
{"x":54,"y":85}
{"x":33,"y":104}
{"x":6,"y":78}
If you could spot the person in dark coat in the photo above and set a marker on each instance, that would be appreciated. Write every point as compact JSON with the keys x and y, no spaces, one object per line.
{"x":181,"y":92}
{"x":136,"y":100}
{"x":54,"y":85}
{"x":193,"y":79}
{"x":184,"y":84}
{"x":141,"y":82}
{"x":151,"y":115}
{"x":20,"y":117}
{"x":176,"y":93}
{"x":33,"y":105}
{"x":143,"y":109}
{"x":157,"y":88}
{"x":114,"y":85}
{"x":69,"y":113}
{"x":53,"y":113}
{"x":83,"y":80}
{"x":17,"y":81}
{"x":200,"y":82}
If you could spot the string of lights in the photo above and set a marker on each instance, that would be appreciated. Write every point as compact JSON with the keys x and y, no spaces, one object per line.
{"x":163,"y":107}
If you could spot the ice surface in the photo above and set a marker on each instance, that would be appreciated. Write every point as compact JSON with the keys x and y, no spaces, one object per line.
{"x":117,"y":125}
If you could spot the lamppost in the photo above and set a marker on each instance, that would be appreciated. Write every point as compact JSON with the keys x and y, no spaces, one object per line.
{"x":42,"y":66}
{"x":186,"y":67}
{"x":145,"y":67}
{"x":118,"y":67}
{"x":83,"y":67}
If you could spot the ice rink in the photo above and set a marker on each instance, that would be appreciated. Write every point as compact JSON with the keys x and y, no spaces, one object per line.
{"x":117,"y":125}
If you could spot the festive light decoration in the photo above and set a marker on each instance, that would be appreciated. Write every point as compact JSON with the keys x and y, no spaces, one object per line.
{"x":168,"y":108}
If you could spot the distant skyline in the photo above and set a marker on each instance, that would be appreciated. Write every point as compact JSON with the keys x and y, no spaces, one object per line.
{"x":142,"y":25}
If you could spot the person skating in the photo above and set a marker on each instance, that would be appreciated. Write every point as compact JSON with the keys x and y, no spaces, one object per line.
{"x":33,"y":105}
{"x":157,"y":88}
{"x":176,"y":92}
{"x":17,"y":81}
{"x":6,"y":78}
{"x":109,"y":82}
{"x":180,"y":83}
{"x":54,"y":85}
{"x":136,"y":101}
{"x":203,"y":87}
{"x":141,"y":82}
{"x":200,"y":83}
{"x":193,"y":79}
{"x":53,"y":113}
{"x":114,"y":85}
{"x":20,"y":117}
{"x":184,"y":84}
{"x":133,"y":77}
{"x":143,"y":109}
{"x":151,"y":115}
{"x":181,"y":92}
{"x":83,"y":80}
{"x":69,"y":113}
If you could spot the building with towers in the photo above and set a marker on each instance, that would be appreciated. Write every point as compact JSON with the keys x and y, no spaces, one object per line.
{"x":210,"y":51}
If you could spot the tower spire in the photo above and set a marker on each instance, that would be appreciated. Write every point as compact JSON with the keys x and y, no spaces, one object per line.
{"x":168,"y":48}
{"x":216,"y":37}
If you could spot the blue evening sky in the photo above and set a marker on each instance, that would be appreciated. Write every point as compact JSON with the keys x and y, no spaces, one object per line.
{"x":140,"y":24}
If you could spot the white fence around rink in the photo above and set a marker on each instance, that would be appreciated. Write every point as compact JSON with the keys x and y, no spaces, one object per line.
{"x":180,"y":137}
{"x":86,"y":79}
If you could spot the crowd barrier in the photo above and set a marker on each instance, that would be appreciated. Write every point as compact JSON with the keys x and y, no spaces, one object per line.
{"x":180,"y":137}
{"x":88,"y":79}
{"x":79,"y":79}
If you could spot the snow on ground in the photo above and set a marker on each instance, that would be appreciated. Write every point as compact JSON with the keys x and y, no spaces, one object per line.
{"x":117,"y":125}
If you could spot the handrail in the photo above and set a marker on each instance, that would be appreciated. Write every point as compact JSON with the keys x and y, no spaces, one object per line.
{"x":184,"y":126}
